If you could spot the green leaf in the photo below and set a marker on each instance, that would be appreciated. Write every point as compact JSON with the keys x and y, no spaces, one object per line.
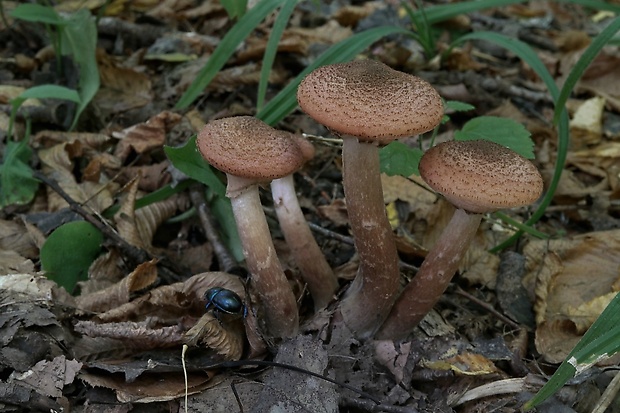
{"x":188,"y":160}
{"x":226,"y":48}
{"x":458,"y":106}
{"x":399,"y":159}
{"x":38,"y":14}
{"x":17,"y":186}
{"x":80,"y":40}
{"x":582,"y":64}
{"x":503,"y":131}
{"x":286,"y":101}
{"x":235,"y":8}
{"x":47,"y":92}
{"x":69,"y":251}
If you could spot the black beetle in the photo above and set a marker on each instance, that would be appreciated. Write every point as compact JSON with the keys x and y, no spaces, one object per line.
{"x":224,"y":300}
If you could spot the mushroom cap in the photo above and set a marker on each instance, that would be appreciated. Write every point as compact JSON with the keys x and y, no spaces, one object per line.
{"x":247,"y":147}
{"x":480,"y":176}
{"x":370,"y":100}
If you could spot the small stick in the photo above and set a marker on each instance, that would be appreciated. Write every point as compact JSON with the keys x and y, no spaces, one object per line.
{"x":488,"y":307}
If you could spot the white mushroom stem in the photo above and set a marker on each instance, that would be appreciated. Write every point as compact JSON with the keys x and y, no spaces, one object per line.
{"x":314,"y":268}
{"x":268,"y":279}
{"x":371,"y":295}
{"x":433,"y":277}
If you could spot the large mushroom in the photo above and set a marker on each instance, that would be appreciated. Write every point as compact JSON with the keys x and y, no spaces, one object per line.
{"x":251,"y":152}
{"x":369,"y":104}
{"x":477,"y":177}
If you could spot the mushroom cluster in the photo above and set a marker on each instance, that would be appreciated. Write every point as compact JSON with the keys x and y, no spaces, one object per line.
{"x":368,"y":104}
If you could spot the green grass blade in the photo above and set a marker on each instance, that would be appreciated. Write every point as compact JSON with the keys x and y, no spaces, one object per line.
{"x":528,"y":55}
{"x":601,"y":337}
{"x":582,"y":64}
{"x":286,"y":101}
{"x":226,"y":48}
{"x":272,"y":47}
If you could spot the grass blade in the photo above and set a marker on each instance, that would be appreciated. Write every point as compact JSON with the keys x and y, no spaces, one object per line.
{"x":226,"y":48}
{"x":272,"y":47}
{"x":582,"y":64}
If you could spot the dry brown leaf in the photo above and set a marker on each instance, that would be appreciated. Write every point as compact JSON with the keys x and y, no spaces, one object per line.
{"x":15,"y":237}
{"x":466,"y":364}
{"x":11,"y":262}
{"x":49,"y":378}
{"x":143,"y":276}
{"x":586,"y":126}
{"x":37,"y":287}
{"x":568,"y":274}
{"x":145,"y":136}
{"x":225,"y":337}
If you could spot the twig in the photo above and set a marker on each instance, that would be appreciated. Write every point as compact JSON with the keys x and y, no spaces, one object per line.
{"x":367,"y":405}
{"x":608,"y":395}
{"x":488,"y":307}
{"x":135,"y":254}
{"x":225,"y":260}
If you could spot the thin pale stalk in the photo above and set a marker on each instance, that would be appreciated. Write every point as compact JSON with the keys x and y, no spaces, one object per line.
{"x":371,"y":295}
{"x":276,"y":297}
{"x":433,"y":277}
{"x":315,"y":270}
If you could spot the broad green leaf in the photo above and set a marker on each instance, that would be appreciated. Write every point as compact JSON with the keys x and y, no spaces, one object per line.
{"x":458,"y":106}
{"x":17,"y":186}
{"x":47,"y":92}
{"x":38,"y":13}
{"x":399,"y":159}
{"x":286,"y":101}
{"x":226,"y":48}
{"x":503,"y":131}
{"x":188,"y":160}
{"x":80,"y":40}
{"x":69,"y":251}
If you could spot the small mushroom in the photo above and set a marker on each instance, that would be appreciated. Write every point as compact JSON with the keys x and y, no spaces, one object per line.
{"x":369,"y":104}
{"x":477,"y":177}
{"x":251,"y":152}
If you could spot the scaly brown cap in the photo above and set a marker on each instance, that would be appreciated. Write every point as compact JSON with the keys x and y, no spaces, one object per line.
{"x":247,"y":147}
{"x":370,"y":100}
{"x":480,"y":176}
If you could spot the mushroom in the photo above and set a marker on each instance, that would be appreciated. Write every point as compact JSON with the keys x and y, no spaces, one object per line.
{"x":477,"y":177}
{"x":251,"y":152}
{"x":369,"y":104}
{"x":315,"y":270}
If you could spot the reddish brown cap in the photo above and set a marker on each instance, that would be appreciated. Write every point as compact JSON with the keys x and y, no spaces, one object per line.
{"x":370,"y":100}
{"x":247,"y":147}
{"x":480,"y":176}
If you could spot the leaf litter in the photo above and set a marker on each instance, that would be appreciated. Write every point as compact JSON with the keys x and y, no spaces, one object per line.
{"x":119,"y":341}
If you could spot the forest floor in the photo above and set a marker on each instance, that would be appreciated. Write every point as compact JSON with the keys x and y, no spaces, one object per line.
{"x":140,"y":268}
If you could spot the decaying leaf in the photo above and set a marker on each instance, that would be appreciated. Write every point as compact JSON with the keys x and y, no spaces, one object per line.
{"x":571,"y":277}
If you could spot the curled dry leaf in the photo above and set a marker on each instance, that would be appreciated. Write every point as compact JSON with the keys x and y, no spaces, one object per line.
{"x":143,"y":276}
{"x":224,"y":335}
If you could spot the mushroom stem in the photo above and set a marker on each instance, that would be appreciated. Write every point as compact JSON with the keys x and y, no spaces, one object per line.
{"x":267,"y":277}
{"x":371,"y":295}
{"x":433,"y":277}
{"x":314,"y":268}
